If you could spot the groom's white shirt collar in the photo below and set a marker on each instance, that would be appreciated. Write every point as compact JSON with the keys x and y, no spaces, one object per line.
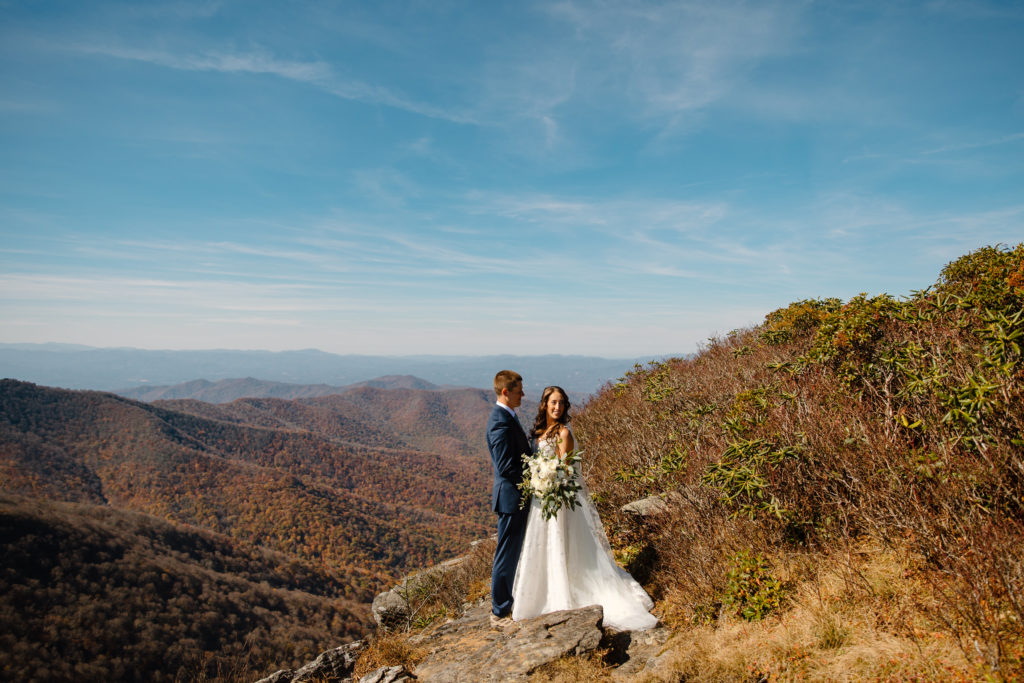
{"x":499,"y":403}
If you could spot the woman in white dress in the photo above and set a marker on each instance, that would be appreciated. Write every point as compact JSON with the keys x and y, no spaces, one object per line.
{"x":566,"y":561}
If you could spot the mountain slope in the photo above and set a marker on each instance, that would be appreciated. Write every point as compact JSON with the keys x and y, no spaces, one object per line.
{"x":853,"y":469}
{"x":376,"y":510}
{"x":93,"y":593}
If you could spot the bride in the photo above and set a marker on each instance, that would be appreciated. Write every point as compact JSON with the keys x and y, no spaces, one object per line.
{"x":566,"y":561}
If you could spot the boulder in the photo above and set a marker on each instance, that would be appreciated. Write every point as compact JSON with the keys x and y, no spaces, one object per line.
{"x":390,"y":610}
{"x":646,"y":507}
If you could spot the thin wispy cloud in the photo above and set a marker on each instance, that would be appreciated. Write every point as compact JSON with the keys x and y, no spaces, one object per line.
{"x":449,"y":259}
{"x":318,"y":74}
{"x":26,"y":106}
{"x":256,"y":63}
{"x":969,"y":9}
{"x":680,"y":57}
{"x":1003,"y":140}
{"x":598,"y":213}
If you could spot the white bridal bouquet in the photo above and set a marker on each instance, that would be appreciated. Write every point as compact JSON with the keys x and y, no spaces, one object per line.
{"x":550,"y":480}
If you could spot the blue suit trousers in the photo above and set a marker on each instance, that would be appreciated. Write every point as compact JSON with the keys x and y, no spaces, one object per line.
{"x":511,"y":529}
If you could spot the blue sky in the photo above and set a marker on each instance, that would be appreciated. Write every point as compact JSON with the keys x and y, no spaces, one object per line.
{"x":606,"y":178}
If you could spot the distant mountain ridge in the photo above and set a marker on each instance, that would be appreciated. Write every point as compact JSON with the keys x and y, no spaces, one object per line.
{"x":118,"y":369}
{"x":449,"y":422}
{"x":399,"y":382}
{"x":227,"y":390}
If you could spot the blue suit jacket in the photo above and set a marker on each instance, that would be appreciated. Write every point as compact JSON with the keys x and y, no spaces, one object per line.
{"x":508,"y":444}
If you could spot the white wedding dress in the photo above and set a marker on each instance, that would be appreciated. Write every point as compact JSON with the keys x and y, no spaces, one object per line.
{"x":566,"y":563}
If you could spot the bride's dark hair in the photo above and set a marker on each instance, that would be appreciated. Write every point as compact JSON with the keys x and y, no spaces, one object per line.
{"x":540,"y":425}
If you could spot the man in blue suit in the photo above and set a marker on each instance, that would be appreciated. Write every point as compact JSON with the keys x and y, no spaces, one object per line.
{"x":508,"y":444}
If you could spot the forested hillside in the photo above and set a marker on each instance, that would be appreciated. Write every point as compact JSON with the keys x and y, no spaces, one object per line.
{"x":346,"y":495}
{"x":92,"y":593}
{"x":844,"y":485}
{"x":296,"y":490}
{"x":448,"y":422}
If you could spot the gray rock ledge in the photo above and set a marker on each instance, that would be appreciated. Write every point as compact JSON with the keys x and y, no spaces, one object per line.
{"x":467,"y":649}
{"x":334,"y":664}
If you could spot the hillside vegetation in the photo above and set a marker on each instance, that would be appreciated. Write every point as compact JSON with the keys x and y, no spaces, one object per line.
{"x":445,"y":422}
{"x":848,"y":475}
{"x":371,"y":511}
{"x":187,"y":540}
{"x":94,"y":593}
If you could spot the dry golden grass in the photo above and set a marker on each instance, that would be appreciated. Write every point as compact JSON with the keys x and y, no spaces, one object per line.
{"x":570,"y":669}
{"x":857,"y":618}
{"x":388,"y":649}
{"x":478,"y":589}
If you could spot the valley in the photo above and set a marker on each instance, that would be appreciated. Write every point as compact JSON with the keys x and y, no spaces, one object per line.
{"x":347,"y":491}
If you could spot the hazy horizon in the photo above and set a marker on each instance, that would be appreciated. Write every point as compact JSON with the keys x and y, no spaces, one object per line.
{"x":73,"y":346}
{"x":120,"y":369}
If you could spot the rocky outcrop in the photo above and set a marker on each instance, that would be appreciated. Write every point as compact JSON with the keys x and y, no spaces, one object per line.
{"x":388,"y":674}
{"x":391,"y":609}
{"x":468,"y":649}
{"x":634,"y":653}
{"x":333,"y":665}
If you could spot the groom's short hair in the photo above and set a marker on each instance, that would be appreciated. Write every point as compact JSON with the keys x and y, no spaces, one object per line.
{"x":506,"y":379}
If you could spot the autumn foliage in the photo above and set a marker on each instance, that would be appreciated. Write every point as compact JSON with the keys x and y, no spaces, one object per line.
{"x":93,"y":593}
{"x":350,"y":494}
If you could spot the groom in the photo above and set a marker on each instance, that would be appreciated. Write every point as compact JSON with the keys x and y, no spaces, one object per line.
{"x":508,"y":443}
